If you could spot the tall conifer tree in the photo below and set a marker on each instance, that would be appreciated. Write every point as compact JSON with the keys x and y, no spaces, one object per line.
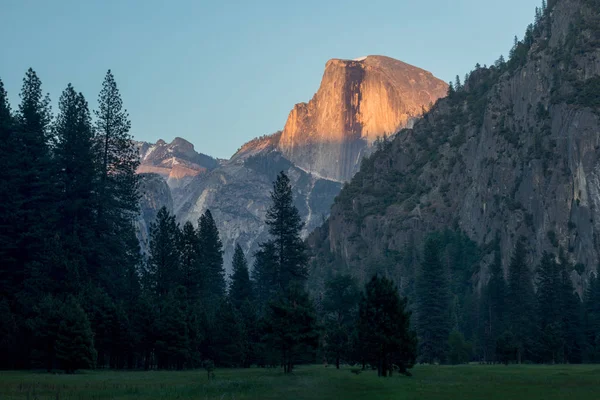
{"x":285,"y":227}
{"x":521,"y":300}
{"x":163,"y":271}
{"x":240,"y":288}
{"x":384,"y":328}
{"x":191,"y":262}
{"x":433,"y":304}
{"x":211,"y":249}
{"x":118,"y":195}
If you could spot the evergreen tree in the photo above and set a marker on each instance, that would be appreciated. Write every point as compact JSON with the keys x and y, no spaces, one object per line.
{"x":9,"y":274}
{"x":44,"y":324}
{"x":571,"y":313}
{"x":33,"y":189}
{"x":212,"y":259}
{"x":240,"y":288}
{"x":451,"y":89}
{"x":230,"y":340}
{"x":384,"y":328}
{"x":118,"y":156}
{"x":144,"y":330}
{"x":521,"y":300}
{"x":163,"y":271}
{"x":459,"y":350}
{"x":74,"y":342}
{"x":592,"y":319}
{"x":290,"y":327}
{"x":264,"y":274}
{"x":172,"y":344}
{"x":433,"y":303}
{"x":76,"y":175}
{"x":494,"y":306}
{"x":506,"y":347}
{"x":101,"y":312}
{"x":549,"y":308}
{"x":285,"y":227}
{"x":118,"y":196}
{"x":191,"y":263}
{"x":457,"y":84}
{"x":340,"y":308}
{"x":8,"y":336}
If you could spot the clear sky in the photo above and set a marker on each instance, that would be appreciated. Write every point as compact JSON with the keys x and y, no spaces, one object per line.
{"x":220,"y":72}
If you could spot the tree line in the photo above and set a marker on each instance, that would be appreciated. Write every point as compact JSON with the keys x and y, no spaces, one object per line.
{"x":68,"y":246}
{"x":531,"y":314}
{"x":78,"y":293}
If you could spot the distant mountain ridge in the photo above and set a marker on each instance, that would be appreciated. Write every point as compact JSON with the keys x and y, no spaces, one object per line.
{"x":513,"y":152}
{"x":174,"y":161}
{"x":345,"y":109}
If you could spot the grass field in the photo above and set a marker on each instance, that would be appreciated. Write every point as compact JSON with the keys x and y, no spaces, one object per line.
{"x":314,"y":382}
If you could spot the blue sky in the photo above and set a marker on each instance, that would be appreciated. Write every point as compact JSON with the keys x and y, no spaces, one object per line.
{"x":219,"y":73}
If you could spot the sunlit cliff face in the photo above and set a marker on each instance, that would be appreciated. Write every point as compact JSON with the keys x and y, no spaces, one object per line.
{"x":358,"y":101}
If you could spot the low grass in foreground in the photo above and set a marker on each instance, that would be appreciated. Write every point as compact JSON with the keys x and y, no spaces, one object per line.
{"x":580,"y":382}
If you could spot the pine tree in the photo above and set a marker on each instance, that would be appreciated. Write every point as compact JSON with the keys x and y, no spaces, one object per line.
{"x":433,"y":304}
{"x":118,"y":195}
{"x":549,"y":308}
{"x":212,"y":259}
{"x":73,"y":155}
{"x":230,"y":339}
{"x":340,"y":308}
{"x":8,"y":336}
{"x":74,"y":342}
{"x":571,"y":313}
{"x":290,"y":327}
{"x":163,"y":270}
{"x":9,"y":274}
{"x":191,"y":262}
{"x":285,"y":227}
{"x":264,"y":274}
{"x":451,"y":89}
{"x":592,"y":319}
{"x":494,"y":305}
{"x":44,"y":324}
{"x":143,"y":329}
{"x":76,"y":175}
{"x":459,"y":350}
{"x":457,"y":84}
{"x":118,"y":157}
{"x":384,"y":328}
{"x":240,"y":288}
{"x":33,"y":186}
{"x":521,"y":301}
{"x":172,"y":344}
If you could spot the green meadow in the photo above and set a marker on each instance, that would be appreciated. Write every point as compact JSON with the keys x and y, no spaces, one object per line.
{"x":574,"y":382}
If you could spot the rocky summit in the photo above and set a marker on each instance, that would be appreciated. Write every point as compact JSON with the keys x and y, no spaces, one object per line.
{"x":321,"y":146}
{"x":357,"y":102}
{"x":512,"y":152}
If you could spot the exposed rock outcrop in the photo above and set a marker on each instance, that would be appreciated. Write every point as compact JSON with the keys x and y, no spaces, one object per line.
{"x":358,"y":101}
{"x":322,"y":144}
{"x":238,"y":195}
{"x":154,"y":194}
{"x":514,"y":153}
{"x":177,"y":161}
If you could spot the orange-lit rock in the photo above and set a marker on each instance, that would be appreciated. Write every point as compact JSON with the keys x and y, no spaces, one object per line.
{"x":358,"y":101}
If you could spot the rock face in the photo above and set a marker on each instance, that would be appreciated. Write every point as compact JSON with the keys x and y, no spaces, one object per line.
{"x":154,"y":194}
{"x":322,"y":144}
{"x":176,"y":161}
{"x":238,"y":195}
{"x":516,"y":152}
{"x":358,"y":101}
